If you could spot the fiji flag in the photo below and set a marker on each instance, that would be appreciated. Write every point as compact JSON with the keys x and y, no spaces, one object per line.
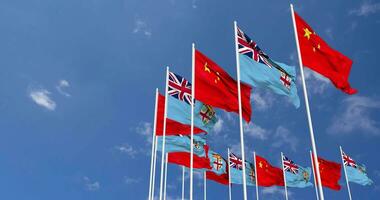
{"x":218,"y":163}
{"x":179,"y":105}
{"x":236,"y":171}
{"x":258,"y":70}
{"x":296,"y":176}
{"x":355,"y":172}
{"x":181,"y":143}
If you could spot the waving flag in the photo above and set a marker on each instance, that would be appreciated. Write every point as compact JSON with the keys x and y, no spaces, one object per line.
{"x":320,"y":57}
{"x":183,"y":158}
{"x":296,"y":176}
{"x":218,"y":172}
{"x":182,"y":143}
{"x":236,"y":171}
{"x":330,"y":173}
{"x":258,"y":70}
{"x":216,"y":87}
{"x":179,"y":88}
{"x":267,"y":175}
{"x":172,"y":127}
{"x":179,"y":108}
{"x":356,"y":173}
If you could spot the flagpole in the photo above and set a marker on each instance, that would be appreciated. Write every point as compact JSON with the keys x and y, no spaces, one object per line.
{"x":154,"y":167}
{"x":315,"y":157}
{"x":204,"y":186}
{"x":153,"y":147}
{"x":257,"y":183}
{"x":315,"y":178}
{"x":183,"y":183}
{"x":283,"y":171}
{"x":345,"y":172}
{"x":166,"y":174}
{"x":192,"y":120}
{"x":164,"y":133}
{"x":240,"y":113}
{"x":229,"y":175}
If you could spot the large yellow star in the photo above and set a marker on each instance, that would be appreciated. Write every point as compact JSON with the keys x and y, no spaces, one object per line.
{"x":307,"y":33}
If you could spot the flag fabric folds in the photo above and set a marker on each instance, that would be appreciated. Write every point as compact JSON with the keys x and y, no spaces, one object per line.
{"x":296,"y":175}
{"x":179,"y":105}
{"x":172,"y":127}
{"x":320,"y":57}
{"x":219,"y":178}
{"x":217,"y":88}
{"x":356,"y":173}
{"x":258,"y":70}
{"x":267,"y":175}
{"x":330,"y":173}
{"x":236,"y":171}
{"x":182,"y":143}
{"x":183,"y":159}
{"x":218,"y":171}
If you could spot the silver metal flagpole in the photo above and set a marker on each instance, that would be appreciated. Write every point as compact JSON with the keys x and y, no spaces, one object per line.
{"x":315,"y":178}
{"x":164,"y":133}
{"x":153,"y":147}
{"x":345,"y":173}
{"x":192,"y":120}
{"x":154,"y":167}
{"x":204,"y":186}
{"x":229,"y":175}
{"x":183,"y":183}
{"x":166,"y":174}
{"x":283,"y":171}
{"x":240,"y":113}
{"x":314,"y":147}
{"x":257,"y":183}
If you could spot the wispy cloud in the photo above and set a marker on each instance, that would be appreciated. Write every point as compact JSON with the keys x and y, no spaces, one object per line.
{"x":127,"y":149}
{"x":194,"y":4}
{"x":272,"y":191}
{"x":91,"y":185}
{"x":256,"y":131}
{"x":218,"y":127}
{"x":316,"y":83}
{"x":42,"y":98}
{"x":130,"y":180}
{"x":62,"y":85}
{"x":366,"y":8}
{"x":141,"y":27}
{"x":262,"y":100}
{"x":283,"y":137}
{"x":145,"y":129}
{"x":356,"y":116}
{"x":329,"y":33}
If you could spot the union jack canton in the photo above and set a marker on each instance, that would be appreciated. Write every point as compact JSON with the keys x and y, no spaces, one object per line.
{"x":289,"y":165}
{"x":236,"y":162}
{"x":348,"y":161}
{"x":179,"y":88}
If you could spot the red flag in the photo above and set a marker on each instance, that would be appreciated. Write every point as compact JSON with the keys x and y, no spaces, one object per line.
{"x":267,"y":175}
{"x":222,"y":178}
{"x":330,"y":173}
{"x":172,"y":127}
{"x":183,"y":158}
{"x":215,"y":87}
{"x":320,"y":57}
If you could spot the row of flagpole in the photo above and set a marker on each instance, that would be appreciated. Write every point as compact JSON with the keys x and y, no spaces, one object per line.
{"x":319,"y":191}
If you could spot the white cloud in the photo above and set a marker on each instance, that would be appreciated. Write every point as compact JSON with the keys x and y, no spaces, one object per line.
{"x":62,"y":84}
{"x":366,"y":8}
{"x":41,"y":97}
{"x":129,"y":180}
{"x":218,"y":127}
{"x":283,"y":137}
{"x":272,"y":191}
{"x":256,"y":131}
{"x":356,"y":116}
{"x":127,"y":149}
{"x":145,"y":129}
{"x":316,"y":83}
{"x":329,"y":33}
{"x":141,"y":27}
{"x":262,"y":100}
{"x":91,"y":185}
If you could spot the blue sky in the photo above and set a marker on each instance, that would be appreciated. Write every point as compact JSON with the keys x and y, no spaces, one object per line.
{"x":77,"y":86}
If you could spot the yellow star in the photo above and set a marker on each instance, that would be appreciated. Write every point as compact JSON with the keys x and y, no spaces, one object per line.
{"x":307,"y":33}
{"x":319,"y":47}
{"x":260,"y":164}
{"x":217,"y":77}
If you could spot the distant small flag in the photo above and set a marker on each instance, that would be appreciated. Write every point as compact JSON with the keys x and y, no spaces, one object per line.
{"x":182,"y":143}
{"x":236,"y":171}
{"x":219,"y":172}
{"x":330,"y":173}
{"x":296,"y":176}
{"x":268,"y":175}
{"x":356,"y":173}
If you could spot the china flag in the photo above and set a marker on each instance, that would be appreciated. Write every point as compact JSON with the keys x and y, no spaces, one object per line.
{"x":215,"y":87}
{"x":320,"y":57}
{"x":267,"y":175}
{"x":330,"y":173}
{"x":172,"y":127}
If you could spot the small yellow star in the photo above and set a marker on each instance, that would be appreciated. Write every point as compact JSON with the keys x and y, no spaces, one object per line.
{"x":260,"y":164}
{"x":307,"y":33}
{"x":319,"y":47}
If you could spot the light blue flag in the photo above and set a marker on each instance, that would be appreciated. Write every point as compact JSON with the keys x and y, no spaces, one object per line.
{"x":180,"y":111}
{"x":217,"y":162}
{"x":181,"y":143}
{"x":358,"y":175}
{"x":236,"y":171}
{"x":301,"y":179}
{"x":258,"y":70}
{"x":260,"y":75}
